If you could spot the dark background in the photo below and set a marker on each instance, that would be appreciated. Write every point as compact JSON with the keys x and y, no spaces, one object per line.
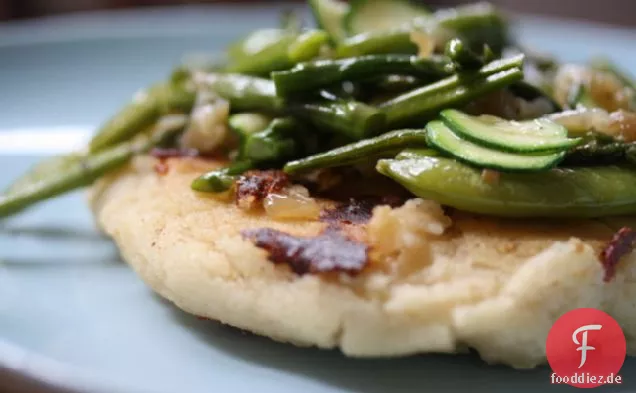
{"x":619,"y":12}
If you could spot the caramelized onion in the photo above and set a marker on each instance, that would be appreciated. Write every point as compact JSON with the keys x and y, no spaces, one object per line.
{"x":292,"y":203}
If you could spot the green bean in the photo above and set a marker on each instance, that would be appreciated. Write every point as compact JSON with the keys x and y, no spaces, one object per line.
{"x":353,"y":119}
{"x":312,"y":75}
{"x":352,"y":153}
{"x":395,"y":84}
{"x":221,"y":180}
{"x":273,"y":143}
{"x":377,"y":42}
{"x":594,"y":155}
{"x":462,"y":55}
{"x":576,"y":193}
{"x":74,"y":171}
{"x":141,"y":113}
{"x":600,"y":149}
{"x":420,"y":104}
{"x":245,"y":93}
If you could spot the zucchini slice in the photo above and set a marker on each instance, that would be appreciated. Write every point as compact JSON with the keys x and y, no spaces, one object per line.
{"x":329,"y":16}
{"x":379,"y":15}
{"x":531,"y":136}
{"x":444,"y":139}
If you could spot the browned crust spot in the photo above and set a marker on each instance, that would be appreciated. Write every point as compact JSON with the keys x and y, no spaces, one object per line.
{"x":329,"y":251}
{"x":254,"y":186}
{"x":622,"y":243}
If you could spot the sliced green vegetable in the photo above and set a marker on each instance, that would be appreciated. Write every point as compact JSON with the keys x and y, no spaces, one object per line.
{"x":312,"y":75}
{"x":220,"y":180}
{"x":352,"y":119}
{"x":44,"y":169}
{"x":576,"y":193}
{"x":423,"y":103}
{"x":275,"y":142}
{"x":329,"y":15}
{"x":59,"y":176}
{"x":142,"y":113}
{"x":444,"y":139}
{"x":245,"y":93}
{"x":346,"y":155}
{"x":532,"y":136}
{"x":381,"y":15}
{"x":463,"y":56}
{"x":397,"y":41}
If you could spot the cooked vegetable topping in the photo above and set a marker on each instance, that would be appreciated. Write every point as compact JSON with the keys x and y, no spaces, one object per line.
{"x":443,"y":102}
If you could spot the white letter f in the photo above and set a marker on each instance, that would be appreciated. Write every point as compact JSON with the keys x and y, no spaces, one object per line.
{"x":583,"y":344}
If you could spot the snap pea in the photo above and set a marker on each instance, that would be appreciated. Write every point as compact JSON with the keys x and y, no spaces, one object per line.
{"x":420,"y":104}
{"x":312,"y":75}
{"x":75,"y":171}
{"x":388,"y":84}
{"x":142,"y":112}
{"x":346,"y":155}
{"x":417,"y":153}
{"x":576,"y":193}
{"x":353,"y":119}
{"x":477,"y":24}
{"x":221,"y":180}
{"x":245,"y":93}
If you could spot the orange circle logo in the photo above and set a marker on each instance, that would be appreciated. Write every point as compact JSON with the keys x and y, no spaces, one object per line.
{"x":586,"y":348}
